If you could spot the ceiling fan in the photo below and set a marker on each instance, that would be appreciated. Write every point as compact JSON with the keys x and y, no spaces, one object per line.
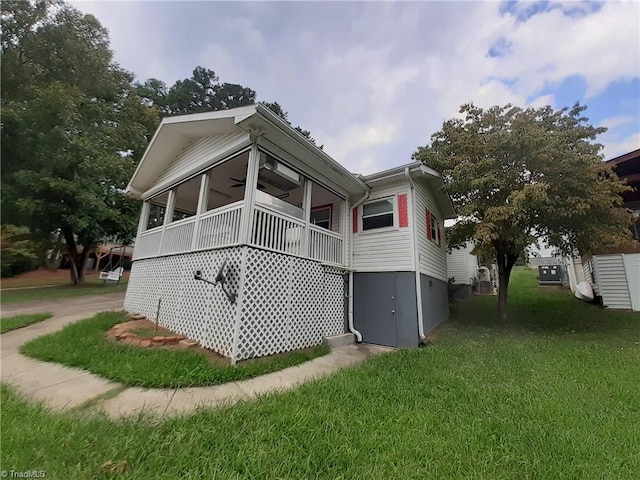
{"x":243,"y":182}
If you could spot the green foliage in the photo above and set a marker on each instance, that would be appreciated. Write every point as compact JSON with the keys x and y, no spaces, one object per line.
{"x":85,"y":345}
{"x":516,"y":174}
{"x":18,"y":253}
{"x":73,"y":127}
{"x":19,"y":321}
{"x":203,"y":92}
{"x":531,"y":401}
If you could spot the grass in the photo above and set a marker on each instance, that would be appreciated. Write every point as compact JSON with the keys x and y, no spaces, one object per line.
{"x":552,"y":395}
{"x":94,"y":287}
{"x":19,"y":321}
{"x":84,"y":345}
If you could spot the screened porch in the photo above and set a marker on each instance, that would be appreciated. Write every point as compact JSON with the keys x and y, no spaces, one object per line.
{"x":277,"y":209}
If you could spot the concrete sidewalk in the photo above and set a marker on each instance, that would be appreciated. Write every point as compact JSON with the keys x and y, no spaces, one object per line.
{"x":62,"y":387}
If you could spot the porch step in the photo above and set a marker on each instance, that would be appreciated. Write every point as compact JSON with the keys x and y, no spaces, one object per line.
{"x":339,"y":340}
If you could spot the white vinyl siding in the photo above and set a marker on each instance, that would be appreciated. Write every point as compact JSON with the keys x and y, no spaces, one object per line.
{"x":387,"y":249}
{"x":612,"y":281}
{"x":431,"y":257}
{"x":632,"y":267}
{"x":199,"y":155}
{"x":461,"y":265}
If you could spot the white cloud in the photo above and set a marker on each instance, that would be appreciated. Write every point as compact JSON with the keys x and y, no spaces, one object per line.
{"x":373,"y":80}
{"x":614,"y":148}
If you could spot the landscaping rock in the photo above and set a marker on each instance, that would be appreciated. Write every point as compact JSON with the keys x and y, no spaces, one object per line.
{"x":157,"y":340}
{"x":139,"y":316}
{"x":187,"y":343}
{"x":145,"y":343}
{"x":172,"y":340}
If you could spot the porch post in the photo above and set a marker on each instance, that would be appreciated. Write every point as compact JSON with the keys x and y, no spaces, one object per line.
{"x":250,"y":187}
{"x":305,"y":251}
{"x":144,"y":219}
{"x":344,"y":227}
{"x":168,"y":216}
{"x":202,"y":208}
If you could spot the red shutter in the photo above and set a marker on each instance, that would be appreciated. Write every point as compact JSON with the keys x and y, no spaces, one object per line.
{"x":403,"y":212}
{"x":355,"y":220}
{"x":439,"y":234}
{"x":428,"y":224}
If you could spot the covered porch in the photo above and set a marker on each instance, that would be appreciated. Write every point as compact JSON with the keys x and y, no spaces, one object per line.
{"x":253,"y":198}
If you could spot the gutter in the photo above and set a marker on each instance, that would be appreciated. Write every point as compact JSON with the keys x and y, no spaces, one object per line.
{"x":352,"y":328}
{"x":414,"y":242}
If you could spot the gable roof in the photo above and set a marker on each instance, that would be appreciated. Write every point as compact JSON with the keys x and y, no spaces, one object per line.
{"x":415,"y":170}
{"x":174,"y":134}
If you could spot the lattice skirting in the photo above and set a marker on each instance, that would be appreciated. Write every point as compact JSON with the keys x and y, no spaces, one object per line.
{"x":189,"y":307}
{"x":285,"y":303}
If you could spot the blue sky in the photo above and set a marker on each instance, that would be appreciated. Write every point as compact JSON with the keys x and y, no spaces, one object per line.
{"x":373,"y":80}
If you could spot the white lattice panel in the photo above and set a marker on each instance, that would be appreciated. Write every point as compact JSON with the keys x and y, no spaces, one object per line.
{"x":193,"y":308}
{"x":289,"y":303}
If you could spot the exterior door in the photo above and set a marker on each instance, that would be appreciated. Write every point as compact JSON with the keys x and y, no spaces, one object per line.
{"x":374,"y":305}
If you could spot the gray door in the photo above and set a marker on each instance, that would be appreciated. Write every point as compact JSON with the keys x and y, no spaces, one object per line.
{"x":374,"y":307}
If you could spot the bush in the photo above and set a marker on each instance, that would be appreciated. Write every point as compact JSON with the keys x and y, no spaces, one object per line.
{"x":18,"y":251}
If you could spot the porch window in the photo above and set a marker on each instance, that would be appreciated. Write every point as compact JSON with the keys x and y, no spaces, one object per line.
{"x":186,"y":199}
{"x":157,"y":209}
{"x":378,"y":214}
{"x":321,"y":216}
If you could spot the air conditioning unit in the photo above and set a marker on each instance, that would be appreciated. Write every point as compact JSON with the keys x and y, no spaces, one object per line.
{"x":276,"y":174}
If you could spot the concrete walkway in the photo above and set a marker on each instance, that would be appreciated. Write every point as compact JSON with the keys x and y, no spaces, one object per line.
{"x":62,"y":387}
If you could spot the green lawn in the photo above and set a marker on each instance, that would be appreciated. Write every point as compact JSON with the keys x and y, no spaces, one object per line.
{"x":63,"y":291}
{"x":555,"y":395}
{"x":19,"y":321}
{"x":84,"y":345}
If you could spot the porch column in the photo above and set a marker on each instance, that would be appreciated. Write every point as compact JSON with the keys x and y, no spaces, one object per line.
{"x":305,"y":251}
{"x":144,"y":219}
{"x":168,"y":216}
{"x":202,"y":208}
{"x":344,"y":230}
{"x":246,"y":226}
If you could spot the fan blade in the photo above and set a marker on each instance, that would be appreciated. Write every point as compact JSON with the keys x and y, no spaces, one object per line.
{"x":237,"y":185}
{"x":261,"y":187}
{"x":238,"y":180}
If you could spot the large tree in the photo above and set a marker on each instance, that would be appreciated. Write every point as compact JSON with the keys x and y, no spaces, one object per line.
{"x":517,"y":174}
{"x":203,"y":92}
{"x":73,"y":128}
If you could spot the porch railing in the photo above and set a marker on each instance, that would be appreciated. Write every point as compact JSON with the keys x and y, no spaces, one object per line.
{"x":221,"y":228}
{"x":277,"y":231}
{"x":325,"y":245}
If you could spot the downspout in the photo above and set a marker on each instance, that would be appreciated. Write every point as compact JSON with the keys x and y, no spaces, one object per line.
{"x":414,"y":241}
{"x":352,"y":329}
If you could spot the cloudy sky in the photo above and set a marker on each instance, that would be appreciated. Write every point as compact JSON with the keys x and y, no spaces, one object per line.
{"x":373,"y":81}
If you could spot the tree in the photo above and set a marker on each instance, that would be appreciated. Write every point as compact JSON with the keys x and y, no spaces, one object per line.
{"x":515,"y":174}
{"x":278,"y":110}
{"x":73,"y":128}
{"x":203,"y":92}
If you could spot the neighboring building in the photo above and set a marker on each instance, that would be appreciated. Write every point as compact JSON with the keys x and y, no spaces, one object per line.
{"x":462,"y":270}
{"x":615,"y":274}
{"x":310,"y":249}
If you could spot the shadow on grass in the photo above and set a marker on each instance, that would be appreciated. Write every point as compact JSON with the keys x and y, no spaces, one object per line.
{"x":534,"y":308}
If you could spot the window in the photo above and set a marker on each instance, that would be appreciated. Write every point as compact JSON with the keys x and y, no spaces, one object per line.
{"x":377,"y":214}
{"x":321,"y":216}
{"x":434,"y":229}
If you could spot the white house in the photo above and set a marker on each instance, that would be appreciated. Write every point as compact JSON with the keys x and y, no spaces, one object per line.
{"x":307,"y":249}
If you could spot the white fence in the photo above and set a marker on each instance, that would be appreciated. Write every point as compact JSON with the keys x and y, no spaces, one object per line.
{"x":221,"y":228}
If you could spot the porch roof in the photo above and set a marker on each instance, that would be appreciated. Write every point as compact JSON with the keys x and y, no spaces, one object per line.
{"x":416,"y":170}
{"x":175,"y":133}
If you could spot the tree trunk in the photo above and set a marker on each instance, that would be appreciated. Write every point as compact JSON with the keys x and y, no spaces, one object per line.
{"x":78,"y":260}
{"x":506,"y":259}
